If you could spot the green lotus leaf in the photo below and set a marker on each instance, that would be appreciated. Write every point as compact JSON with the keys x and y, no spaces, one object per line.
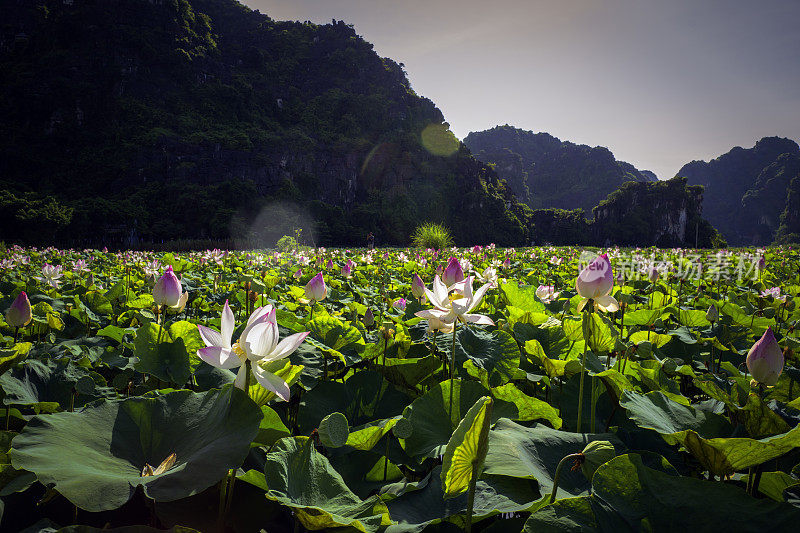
{"x":534,"y":453}
{"x":424,"y":504}
{"x":466,"y":450}
{"x":433,"y":425}
{"x":496,"y":352}
{"x":95,"y":456}
{"x":168,"y":360}
{"x":656,"y":411}
{"x":301,"y":478}
{"x":45,"y":386}
{"x":628,"y":495}
{"x":529,"y":408}
{"x":522,"y":296}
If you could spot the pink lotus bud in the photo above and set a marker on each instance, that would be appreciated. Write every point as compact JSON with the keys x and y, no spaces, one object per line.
{"x":369,"y":318}
{"x":316,"y":289}
{"x":596,"y":279}
{"x":765,"y":359}
{"x":507,"y":262}
{"x":19,"y":314}
{"x":453,"y":273}
{"x":298,"y":274}
{"x":712,"y":315}
{"x":762,"y":262}
{"x":653,"y":274}
{"x":347,"y":269}
{"x":400,"y":304}
{"x":167,"y":290}
{"x":330,"y":264}
{"x":417,"y":287}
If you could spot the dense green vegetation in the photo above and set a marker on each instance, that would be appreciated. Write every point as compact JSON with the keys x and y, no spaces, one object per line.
{"x":545,"y":172}
{"x":541,"y":389}
{"x":134,"y":115}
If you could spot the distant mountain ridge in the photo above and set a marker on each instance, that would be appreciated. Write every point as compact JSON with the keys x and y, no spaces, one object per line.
{"x":546,"y":172}
{"x":746,"y":188}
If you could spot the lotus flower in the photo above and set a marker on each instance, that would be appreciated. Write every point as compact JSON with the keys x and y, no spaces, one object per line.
{"x":448,"y":309}
{"x":316,"y":289}
{"x":453,"y":273}
{"x":546,"y":293}
{"x":19,"y":314}
{"x":369,"y":318}
{"x":168,"y":291}
{"x":80,"y":266}
{"x":347,"y":269}
{"x":417,"y":287}
{"x":653,"y":274}
{"x":258,"y":343}
{"x":489,"y":275}
{"x":51,"y":275}
{"x":400,"y":304}
{"x":712,"y":315}
{"x":595,"y":283}
{"x":765,"y":359}
{"x":298,"y":274}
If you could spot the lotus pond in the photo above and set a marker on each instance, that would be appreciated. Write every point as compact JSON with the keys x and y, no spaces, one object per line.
{"x":482,"y":389}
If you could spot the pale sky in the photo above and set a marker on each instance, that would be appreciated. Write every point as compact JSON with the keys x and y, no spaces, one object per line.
{"x":658,"y":82}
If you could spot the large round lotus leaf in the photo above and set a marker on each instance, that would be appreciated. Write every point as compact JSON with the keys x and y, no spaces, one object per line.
{"x":95,"y":457}
{"x":534,"y":453}
{"x":432,"y":421}
{"x":301,"y":478}
{"x":628,"y":495}
{"x":424,"y":504}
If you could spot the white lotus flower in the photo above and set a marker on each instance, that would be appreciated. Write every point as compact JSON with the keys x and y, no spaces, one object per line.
{"x":258,"y":343}
{"x":456,"y":306}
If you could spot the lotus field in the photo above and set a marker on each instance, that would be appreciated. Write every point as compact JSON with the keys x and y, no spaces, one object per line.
{"x":482,"y":389}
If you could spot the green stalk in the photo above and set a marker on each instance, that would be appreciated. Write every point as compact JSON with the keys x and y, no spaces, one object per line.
{"x":561,"y":464}
{"x":592,"y":406}
{"x":471,"y":497}
{"x":580,"y":390}
{"x":452,"y":367}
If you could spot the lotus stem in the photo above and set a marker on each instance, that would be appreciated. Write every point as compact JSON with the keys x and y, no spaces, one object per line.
{"x":471,"y":497}
{"x":592,"y":406}
{"x":580,"y":390}
{"x":452,"y":368}
{"x":557,"y":477}
{"x":386,"y":456}
{"x":16,"y":334}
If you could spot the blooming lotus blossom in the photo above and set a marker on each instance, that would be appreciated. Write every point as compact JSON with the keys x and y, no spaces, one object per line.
{"x":20,"y":313}
{"x":595,"y":283}
{"x":80,"y":266}
{"x":489,"y":275}
{"x":458,"y":306}
{"x":51,"y":275}
{"x":453,"y":273}
{"x":400,"y":304}
{"x":152,"y":268}
{"x":168,"y":291}
{"x":316,"y":289}
{"x":775,"y":292}
{"x":765,"y":359}
{"x":258,"y":344}
{"x":547,"y":293}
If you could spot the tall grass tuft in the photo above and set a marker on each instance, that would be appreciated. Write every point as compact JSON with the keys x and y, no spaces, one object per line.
{"x":430,"y":235}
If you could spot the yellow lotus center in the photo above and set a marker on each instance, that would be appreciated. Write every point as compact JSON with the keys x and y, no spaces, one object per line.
{"x":239,"y":351}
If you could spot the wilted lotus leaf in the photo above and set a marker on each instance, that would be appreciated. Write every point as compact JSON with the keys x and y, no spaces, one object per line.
{"x":99,"y":456}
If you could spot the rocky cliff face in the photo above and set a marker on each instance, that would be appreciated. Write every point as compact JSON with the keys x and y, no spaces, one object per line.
{"x":745,"y":189}
{"x":665,"y":214}
{"x":155,"y":107}
{"x":545,"y":172}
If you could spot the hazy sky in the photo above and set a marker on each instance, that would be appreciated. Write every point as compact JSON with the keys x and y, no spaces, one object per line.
{"x":659,"y":82}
